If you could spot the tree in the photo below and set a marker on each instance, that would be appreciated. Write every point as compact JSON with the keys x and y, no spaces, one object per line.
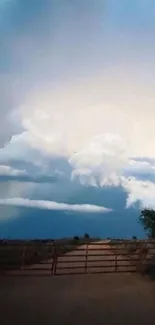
{"x":76,"y":238}
{"x":147,"y":220}
{"x":86,"y":236}
{"x":134,"y":238}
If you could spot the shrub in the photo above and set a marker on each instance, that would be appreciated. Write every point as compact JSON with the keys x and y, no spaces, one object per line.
{"x":76,"y":238}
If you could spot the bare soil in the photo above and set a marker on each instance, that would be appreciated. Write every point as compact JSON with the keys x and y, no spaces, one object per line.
{"x":80,"y":299}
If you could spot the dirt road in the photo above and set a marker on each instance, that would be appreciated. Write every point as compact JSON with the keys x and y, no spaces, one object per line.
{"x":112,"y":298}
{"x":80,"y":299}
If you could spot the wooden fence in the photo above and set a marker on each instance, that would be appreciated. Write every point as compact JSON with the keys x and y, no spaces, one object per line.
{"x":57,"y":259}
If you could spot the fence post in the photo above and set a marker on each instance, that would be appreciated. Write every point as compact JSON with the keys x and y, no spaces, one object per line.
{"x":54,"y":256}
{"x":86,"y":258}
{"x":116,"y":262}
{"x":55,"y":259}
{"x":23,"y":258}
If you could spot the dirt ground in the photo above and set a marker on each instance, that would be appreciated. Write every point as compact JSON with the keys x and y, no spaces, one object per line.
{"x":78,"y":299}
{"x":114,"y":298}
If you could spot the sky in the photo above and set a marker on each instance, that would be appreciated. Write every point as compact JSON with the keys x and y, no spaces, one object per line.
{"x":77,"y":153}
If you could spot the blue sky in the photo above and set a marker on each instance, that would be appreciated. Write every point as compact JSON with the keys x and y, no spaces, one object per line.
{"x":77,"y":115}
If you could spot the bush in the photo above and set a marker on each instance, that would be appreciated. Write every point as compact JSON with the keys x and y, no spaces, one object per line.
{"x":76,"y":238}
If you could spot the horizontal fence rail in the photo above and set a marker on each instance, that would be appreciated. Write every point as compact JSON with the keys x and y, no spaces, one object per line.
{"x":75,"y":257}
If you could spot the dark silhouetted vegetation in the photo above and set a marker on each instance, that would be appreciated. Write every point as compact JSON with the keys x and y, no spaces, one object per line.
{"x":147,"y":219}
{"x":86,"y":236}
{"x":76,"y":238}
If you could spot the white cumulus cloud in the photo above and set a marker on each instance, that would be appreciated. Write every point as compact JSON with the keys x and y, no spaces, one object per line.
{"x":91,"y":104}
{"x":140,"y":167}
{"x":100,"y":161}
{"x":49,"y":205}
{"x":10,"y":171}
{"x":141,"y":192}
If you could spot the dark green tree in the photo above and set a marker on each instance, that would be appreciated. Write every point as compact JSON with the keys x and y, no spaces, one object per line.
{"x":147,"y":220}
{"x":86,"y":236}
{"x":76,"y":238}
